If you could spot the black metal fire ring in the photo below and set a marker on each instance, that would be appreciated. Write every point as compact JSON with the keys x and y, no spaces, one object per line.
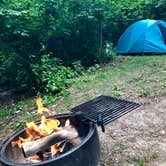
{"x":98,"y":111}
{"x":6,"y":162}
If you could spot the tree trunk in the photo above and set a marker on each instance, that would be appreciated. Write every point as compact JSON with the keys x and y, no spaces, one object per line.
{"x":100,"y":39}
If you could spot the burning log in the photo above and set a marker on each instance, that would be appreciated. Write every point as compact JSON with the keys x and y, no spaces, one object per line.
{"x":32,"y":147}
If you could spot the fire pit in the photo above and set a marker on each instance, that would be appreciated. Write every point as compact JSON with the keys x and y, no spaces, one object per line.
{"x":86,"y":153}
{"x":54,"y":141}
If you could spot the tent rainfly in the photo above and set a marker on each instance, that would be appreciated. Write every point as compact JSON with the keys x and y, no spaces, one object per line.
{"x":145,"y":36}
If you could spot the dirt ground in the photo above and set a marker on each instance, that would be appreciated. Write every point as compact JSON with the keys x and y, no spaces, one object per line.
{"x":138,"y":137}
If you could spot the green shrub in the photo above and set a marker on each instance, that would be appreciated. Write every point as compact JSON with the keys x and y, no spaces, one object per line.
{"x":52,"y":76}
{"x":75,"y":30}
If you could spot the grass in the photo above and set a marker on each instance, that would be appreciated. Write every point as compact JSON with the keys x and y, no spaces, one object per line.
{"x":143,"y":76}
{"x":14,"y":109}
{"x":141,"y":161}
{"x":123,"y":147}
{"x":137,"y":160}
{"x":126,"y":77}
{"x":154,"y":155}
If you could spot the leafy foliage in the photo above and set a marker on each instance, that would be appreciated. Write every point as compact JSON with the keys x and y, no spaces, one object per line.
{"x":69,"y":30}
{"x":51,"y":75}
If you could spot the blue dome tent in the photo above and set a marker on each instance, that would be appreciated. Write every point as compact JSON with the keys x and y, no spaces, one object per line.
{"x":145,"y":36}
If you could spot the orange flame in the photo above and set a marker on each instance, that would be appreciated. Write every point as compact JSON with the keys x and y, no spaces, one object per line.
{"x":35,"y":158}
{"x":33,"y":131}
{"x":36,"y":131}
{"x":40,"y":108}
{"x":55,"y":148}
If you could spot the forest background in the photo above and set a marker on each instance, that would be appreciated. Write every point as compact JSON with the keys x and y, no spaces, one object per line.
{"x":45,"y":44}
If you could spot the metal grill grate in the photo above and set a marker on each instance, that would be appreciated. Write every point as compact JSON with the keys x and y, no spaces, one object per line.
{"x":104,"y":109}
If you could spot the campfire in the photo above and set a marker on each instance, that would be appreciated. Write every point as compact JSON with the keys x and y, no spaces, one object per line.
{"x":47,"y":139}
{"x":64,"y":139}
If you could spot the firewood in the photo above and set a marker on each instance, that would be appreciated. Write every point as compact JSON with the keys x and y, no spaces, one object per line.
{"x":75,"y":141}
{"x":32,"y":147}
